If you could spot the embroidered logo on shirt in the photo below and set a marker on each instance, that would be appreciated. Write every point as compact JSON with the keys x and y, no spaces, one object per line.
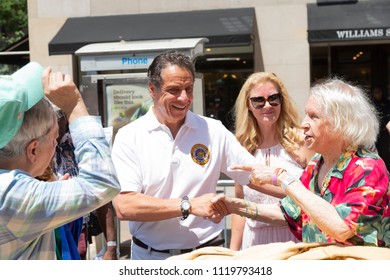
{"x":200,"y":154}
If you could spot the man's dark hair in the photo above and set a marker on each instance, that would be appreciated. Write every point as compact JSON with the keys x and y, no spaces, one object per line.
{"x":165,"y":59}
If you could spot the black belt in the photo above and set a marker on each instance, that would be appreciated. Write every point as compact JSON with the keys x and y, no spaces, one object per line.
{"x":217,"y":241}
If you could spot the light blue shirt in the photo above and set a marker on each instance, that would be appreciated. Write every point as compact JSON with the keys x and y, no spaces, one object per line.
{"x":30,"y":209}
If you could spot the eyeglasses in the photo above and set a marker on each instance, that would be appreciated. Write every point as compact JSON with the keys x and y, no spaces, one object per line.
{"x":258,"y":102}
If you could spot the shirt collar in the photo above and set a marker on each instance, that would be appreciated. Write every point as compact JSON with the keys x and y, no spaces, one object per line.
{"x":342,"y":162}
{"x":154,"y":124}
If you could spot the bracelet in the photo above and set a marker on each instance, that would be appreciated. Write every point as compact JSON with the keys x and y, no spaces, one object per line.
{"x":275,"y":175}
{"x":287,"y":180}
{"x":251,"y":213}
{"x":246,"y":208}
{"x":111,"y":244}
{"x":257,"y":213}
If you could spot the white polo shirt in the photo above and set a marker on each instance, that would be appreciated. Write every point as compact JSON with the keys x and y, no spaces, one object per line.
{"x":148,"y":160}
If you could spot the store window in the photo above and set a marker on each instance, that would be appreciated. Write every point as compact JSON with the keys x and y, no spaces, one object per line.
{"x":224,"y":71}
{"x":366,"y":65}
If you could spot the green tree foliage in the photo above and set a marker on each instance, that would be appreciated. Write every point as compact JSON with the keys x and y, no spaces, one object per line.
{"x":13,"y":21}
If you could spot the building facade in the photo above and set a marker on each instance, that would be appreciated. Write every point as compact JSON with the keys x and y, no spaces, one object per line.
{"x":299,"y":40}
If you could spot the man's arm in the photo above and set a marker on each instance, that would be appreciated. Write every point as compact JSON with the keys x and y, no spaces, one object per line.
{"x":133,"y":206}
{"x":106,"y":217}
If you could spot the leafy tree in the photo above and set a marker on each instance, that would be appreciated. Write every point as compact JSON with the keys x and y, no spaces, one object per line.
{"x":13,"y":27}
{"x":13,"y":22}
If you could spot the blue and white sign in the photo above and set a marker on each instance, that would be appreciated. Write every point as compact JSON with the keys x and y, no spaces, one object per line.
{"x":115,"y":62}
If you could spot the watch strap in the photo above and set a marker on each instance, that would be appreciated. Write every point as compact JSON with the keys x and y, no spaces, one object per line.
{"x":185,"y":212}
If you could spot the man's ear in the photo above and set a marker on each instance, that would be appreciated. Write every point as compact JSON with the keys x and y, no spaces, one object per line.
{"x":152,"y":90}
{"x":32,"y":151}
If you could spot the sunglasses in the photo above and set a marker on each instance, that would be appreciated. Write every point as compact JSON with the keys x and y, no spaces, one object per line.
{"x":258,"y":102}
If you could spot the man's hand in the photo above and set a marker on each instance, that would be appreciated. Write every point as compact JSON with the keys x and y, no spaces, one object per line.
{"x":110,"y":253}
{"x":222,"y":204}
{"x":60,"y":89}
{"x":202,"y":207}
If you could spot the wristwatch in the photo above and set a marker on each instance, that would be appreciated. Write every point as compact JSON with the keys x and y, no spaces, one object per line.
{"x":185,"y":206}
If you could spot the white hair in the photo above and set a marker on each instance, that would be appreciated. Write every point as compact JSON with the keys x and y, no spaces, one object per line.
{"x":348,"y":110}
{"x":37,"y":123}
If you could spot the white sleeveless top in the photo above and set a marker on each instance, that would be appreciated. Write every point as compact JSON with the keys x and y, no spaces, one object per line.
{"x":275,"y":156}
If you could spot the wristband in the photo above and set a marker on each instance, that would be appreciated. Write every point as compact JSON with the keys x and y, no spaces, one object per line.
{"x":257,"y":212}
{"x":286,"y":180}
{"x":111,"y":244}
{"x":246,"y":208}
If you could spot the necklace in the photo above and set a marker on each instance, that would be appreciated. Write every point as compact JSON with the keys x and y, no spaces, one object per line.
{"x":325,"y":181}
{"x":267,"y":157}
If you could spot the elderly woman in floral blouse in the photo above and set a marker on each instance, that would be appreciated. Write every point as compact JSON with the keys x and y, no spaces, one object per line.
{"x":342,"y":195}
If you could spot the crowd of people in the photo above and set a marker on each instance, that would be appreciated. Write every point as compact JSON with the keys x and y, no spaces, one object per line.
{"x":316,"y":179}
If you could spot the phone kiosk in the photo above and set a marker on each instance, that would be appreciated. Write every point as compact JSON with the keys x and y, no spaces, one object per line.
{"x":113,"y":83}
{"x":113,"y":76}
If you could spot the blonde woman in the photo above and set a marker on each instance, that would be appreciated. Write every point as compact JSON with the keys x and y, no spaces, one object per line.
{"x":267,"y":124}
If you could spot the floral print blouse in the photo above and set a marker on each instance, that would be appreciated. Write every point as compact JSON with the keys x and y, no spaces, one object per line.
{"x":357,"y":186}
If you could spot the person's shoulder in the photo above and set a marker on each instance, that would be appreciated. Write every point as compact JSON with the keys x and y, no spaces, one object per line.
{"x":367,"y":154}
{"x":369,"y":159}
{"x":135,"y":124}
{"x":4,"y":173}
{"x":11,"y":178}
{"x":215,"y":127}
{"x":207,"y":120}
{"x":127,"y":132}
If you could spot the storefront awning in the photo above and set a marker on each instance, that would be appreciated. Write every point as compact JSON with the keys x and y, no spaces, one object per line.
{"x":365,"y":20}
{"x":229,"y":27}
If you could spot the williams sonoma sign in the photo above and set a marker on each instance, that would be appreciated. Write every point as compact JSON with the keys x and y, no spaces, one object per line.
{"x":348,"y":34}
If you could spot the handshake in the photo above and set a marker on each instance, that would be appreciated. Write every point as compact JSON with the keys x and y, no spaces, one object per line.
{"x":221,"y":205}
{"x":210,"y":206}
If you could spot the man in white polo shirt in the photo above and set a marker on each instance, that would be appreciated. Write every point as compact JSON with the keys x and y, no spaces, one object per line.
{"x":168,"y":163}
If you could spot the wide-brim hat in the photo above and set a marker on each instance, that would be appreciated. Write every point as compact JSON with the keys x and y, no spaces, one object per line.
{"x":18,"y":93}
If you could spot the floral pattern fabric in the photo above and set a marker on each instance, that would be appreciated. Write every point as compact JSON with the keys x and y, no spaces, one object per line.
{"x":358,"y":187}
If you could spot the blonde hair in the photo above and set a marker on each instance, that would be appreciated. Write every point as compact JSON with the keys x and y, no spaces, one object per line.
{"x":288,"y":124}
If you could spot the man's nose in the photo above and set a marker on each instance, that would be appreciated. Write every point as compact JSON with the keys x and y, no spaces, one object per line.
{"x":184,"y":95}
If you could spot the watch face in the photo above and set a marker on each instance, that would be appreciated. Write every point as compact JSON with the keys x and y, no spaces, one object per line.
{"x":185,"y":205}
